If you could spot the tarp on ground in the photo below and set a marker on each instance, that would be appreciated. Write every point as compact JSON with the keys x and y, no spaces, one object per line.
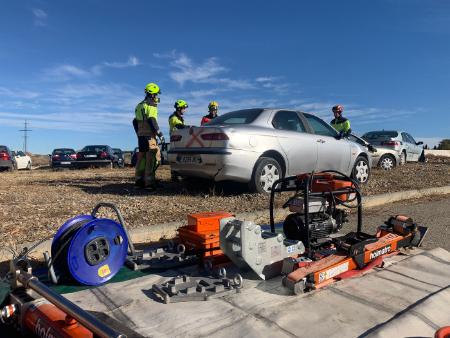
{"x":409,"y":297}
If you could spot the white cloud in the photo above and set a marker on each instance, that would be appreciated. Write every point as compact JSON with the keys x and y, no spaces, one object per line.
{"x":68,"y":71}
{"x":40,"y":17}
{"x":187,"y":70}
{"x":18,"y":93}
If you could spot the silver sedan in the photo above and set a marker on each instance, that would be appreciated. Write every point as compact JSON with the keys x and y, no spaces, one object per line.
{"x":259,"y":146}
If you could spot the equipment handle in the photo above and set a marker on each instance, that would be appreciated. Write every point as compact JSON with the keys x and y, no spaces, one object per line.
{"x":121,"y":221}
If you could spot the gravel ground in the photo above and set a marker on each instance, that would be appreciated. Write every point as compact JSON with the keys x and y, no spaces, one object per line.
{"x":34,"y":204}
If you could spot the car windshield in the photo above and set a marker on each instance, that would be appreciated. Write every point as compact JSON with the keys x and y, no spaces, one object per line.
{"x":245,"y":116}
{"x":384,"y":134}
{"x":94,"y":149}
{"x":63,"y":151}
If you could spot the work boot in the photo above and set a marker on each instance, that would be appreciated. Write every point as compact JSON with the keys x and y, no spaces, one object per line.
{"x":139,"y":183}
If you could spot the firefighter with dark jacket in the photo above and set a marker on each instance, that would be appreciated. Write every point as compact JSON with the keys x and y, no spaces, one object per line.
{"x":340,"y":123}
{"x":147,"y":129}
{"x":213,"y":108}
{"x":176,"y":120}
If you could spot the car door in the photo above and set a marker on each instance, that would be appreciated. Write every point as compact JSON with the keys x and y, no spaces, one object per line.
{"x":409,"y":147}
{"x":299,"y":147}
{"x":21,"y":160}
{"x":417,"y":147}
{"x":333,"y":153}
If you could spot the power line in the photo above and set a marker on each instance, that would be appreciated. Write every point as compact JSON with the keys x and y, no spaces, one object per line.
{"x":25,"y":136}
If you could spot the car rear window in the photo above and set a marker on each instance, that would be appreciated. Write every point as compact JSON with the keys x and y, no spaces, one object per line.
{"x":95,"y":149}
{"x":384,"y":134}
{"x":3,"y":149}
{"x":63,"y":151}
{"x":245,"y":116}
{"x":117,"y":151}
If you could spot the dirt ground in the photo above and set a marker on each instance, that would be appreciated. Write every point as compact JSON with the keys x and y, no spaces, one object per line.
{"x":34,"y":204}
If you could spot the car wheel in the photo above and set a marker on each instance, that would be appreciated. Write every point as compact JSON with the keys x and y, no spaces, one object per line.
{"x":265,"y":173}
{"x":403,"y":158}
{"x":361,"y":170}
{"x":387,"y":162}
{"x":29,"y":166}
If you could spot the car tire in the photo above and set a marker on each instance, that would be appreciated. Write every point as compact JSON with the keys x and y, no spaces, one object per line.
{"x":361,"y":170}
{"x":403,"y":158}
{"x":265,"y":172}
{"x":29,"y":166}
{"x":387,"y":162}
{"x":12,"y":168}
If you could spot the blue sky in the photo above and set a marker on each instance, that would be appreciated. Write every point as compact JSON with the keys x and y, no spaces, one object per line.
{"x":76,"y":69}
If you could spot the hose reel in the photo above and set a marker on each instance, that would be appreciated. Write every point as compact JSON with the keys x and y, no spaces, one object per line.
{"x":89,"y":250}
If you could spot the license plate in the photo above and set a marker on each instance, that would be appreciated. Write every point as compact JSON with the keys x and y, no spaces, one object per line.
{"x":191,"y":159}
{"x":90,"y":156}
{"x":65,"y":162}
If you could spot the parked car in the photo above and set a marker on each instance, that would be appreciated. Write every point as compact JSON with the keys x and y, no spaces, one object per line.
{"x":119,"y":153}
{"x":7,"y":159}
{"x":164,"y":156}
{"x":63,"y":158}
{"x":96,"y":156}
{"x":404,"y":143}
{"x":23,"y":161}
{"x":382,"y":157}
{"x":258,"y":146}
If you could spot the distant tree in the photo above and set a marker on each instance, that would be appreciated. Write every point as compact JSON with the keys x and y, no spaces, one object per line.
{"x":435,"y":148}
{"x":444,"y":144}
{"x":425,"y":146}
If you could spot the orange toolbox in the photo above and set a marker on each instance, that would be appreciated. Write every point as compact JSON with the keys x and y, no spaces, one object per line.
{"x":206,"y":221}
{"x":202,"y":241}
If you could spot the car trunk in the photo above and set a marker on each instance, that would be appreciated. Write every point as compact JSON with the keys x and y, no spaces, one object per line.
{"x":91,"y":155}
{"x":199,"y":137}
{"x":387,"y":140}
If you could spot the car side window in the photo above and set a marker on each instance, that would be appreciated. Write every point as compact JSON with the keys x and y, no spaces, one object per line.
{"x":288,"y":120}
{"x":320,"y":127}
{"x":411,"y":139}
{"x":405,"y":138}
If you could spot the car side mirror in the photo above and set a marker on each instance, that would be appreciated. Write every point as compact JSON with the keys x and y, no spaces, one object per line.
{"x":419,"y":143}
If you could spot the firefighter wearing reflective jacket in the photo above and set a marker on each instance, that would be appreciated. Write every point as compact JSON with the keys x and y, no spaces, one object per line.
{"x":176,"y":120}
{"x":146,"y":126}
{"x":213,"y":108}
{"x":340,"y":123}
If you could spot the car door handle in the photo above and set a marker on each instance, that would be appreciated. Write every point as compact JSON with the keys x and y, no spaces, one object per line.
{"x":321,"y":141}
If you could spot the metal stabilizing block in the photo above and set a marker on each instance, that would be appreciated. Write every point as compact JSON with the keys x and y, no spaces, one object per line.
{"x":262,"y":251}
{"x":161,"y":258}
{"x":185,"y":288}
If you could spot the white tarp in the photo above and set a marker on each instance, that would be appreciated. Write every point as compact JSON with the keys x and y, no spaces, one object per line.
{"x":410,"y":297}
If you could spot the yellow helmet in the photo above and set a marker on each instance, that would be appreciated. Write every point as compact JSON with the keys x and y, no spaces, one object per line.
{"x":213,"y":105}
{"x":152,"y":88}
{"x":180,"y":104}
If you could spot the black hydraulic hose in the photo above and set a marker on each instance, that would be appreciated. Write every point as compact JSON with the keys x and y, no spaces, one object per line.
{"x":121,"y":221}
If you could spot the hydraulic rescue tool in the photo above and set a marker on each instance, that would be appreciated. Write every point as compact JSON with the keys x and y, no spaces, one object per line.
{"x":36,"y":310}
{"x":318,"y":216}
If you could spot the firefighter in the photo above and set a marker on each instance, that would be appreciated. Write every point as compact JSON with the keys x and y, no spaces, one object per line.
{"x":176,"y":120}
{"x":213,"y":108}
{"x":340,"y":123}
{"x":147,"y":129}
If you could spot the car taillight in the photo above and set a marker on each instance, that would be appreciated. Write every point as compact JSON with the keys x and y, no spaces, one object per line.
{"x":78,"y":156}
{"x":391,"y":143}
{"x":214,"y":137}
{"x":175,"y":138}
{"x":103,"y":154}
{"x":55,"y":157}
{"x":73,"y":156}
{"x":5,"y":156}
